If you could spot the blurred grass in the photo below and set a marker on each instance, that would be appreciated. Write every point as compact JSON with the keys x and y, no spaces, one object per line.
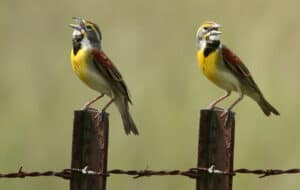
{"x":153,"y":44}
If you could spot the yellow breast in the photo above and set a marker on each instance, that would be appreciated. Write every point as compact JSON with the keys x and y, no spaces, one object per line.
{"x":80,"y":63}
{"x":209,"y":65}
{"x":218,"y":74}
{"x":87,"y":72}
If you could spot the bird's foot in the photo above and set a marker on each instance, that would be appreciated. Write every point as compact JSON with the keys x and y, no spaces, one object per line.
{"x":225,"y":115}
{"x":99,"y":117}
{"x":211,"y":107}
{"x":87,"y":107}
{"x":225,"y":112}
{"x":84,"y":107}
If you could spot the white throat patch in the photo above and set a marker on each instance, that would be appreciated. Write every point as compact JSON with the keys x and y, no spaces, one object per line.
{"x":214,"y":37}
{"x":202,"y":44}
{"x":76,"y":33}
{"x":85,"y":42}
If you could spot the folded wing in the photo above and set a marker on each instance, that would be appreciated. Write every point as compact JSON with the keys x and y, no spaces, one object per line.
{"x":108,"y":70}
{"x":237,"y":67}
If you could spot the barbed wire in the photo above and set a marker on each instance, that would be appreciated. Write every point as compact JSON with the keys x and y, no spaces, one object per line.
{"x":192,"y":172}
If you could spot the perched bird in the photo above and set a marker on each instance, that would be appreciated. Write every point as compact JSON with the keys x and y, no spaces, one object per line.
{"x":220,"y":65}
{"x":96,"y":70}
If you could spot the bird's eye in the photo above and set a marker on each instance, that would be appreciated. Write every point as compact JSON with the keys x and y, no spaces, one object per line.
{"x":89,"y":27}
{"x":205,"y":28}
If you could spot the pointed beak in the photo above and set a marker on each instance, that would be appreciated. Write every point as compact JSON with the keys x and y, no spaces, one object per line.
{"x":75,"y":27}
{"x":215,"y":32}
{"x":80,"y":24}
{"x":78,"y":19}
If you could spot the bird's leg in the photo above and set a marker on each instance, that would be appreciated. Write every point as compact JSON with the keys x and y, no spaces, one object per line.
{"x":214,"y":103}
{"x":241,"y":96}
{"x":225,"y":112}
{"x":87,"y":105}
{"x":107,"y":105}
{"x":100,"y":113}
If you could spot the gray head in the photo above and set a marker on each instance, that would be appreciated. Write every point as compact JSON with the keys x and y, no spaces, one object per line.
{"x":208,"y":32}
{"x":86,"y":34}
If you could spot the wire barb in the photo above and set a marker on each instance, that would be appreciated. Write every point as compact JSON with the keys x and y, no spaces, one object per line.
{"x":191,"y":173}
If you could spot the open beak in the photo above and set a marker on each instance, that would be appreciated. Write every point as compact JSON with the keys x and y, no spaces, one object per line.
{"x":80,"y":21}
{"x":215,"y":33}
{"x":75,"y":27}
{"x":80,"y":24}
{"x":215,"y":27}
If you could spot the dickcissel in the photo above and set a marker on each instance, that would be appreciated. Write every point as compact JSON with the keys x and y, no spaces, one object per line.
{"x":220,"y":65}
{"x":97,"y":71}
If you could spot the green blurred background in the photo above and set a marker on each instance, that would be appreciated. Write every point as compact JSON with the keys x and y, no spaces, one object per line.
{"x":153,"y":45}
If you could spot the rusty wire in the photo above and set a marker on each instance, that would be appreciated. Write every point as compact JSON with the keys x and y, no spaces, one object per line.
{"x":192,"y":172}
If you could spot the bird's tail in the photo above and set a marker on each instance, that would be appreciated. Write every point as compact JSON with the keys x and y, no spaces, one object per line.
{"x":266,"y":107}
{"x":128,"y":123}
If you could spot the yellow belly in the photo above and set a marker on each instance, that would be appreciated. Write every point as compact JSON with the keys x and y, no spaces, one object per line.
{"x":213,"y":69}
{"x":87,"y":72}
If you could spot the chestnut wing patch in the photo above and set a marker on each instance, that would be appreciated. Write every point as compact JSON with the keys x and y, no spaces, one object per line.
{"x":108,"y":70}
{"x":235,"y":64}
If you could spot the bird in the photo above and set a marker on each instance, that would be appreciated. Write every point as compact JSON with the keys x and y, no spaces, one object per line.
{"x":226,"y":70}
{"x":98,"y":72}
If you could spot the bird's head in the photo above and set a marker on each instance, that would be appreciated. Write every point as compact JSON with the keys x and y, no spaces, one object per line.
{"x":86,"y":34}
{"x":208,"y":32}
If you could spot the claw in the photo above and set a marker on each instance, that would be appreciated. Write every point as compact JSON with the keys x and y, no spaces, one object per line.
{"x":85,"y":107}
{"x":211,"y":107}
{"x":226,"y":114}
{"x":99,"y":117}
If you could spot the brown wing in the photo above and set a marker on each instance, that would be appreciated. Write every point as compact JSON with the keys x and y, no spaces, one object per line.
{"x":110,"y":72}
{"x":237,"y":67}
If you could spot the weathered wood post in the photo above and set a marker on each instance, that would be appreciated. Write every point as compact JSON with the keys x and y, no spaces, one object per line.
{"x":89,"y":148}
{"x":216,"y":147}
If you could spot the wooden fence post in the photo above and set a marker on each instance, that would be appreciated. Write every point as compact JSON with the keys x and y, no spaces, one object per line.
{"x":216,"y":147}
{"x":89,"y":148}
